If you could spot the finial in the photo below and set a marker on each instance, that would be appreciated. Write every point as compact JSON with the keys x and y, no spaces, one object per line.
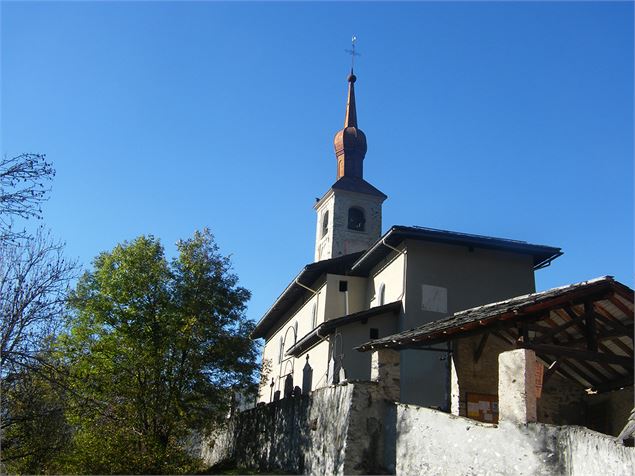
{"x":353,"y":53}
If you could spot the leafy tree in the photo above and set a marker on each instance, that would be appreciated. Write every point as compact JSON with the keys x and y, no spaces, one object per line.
{"x":34,"y":427}
{"x":156,"y":349}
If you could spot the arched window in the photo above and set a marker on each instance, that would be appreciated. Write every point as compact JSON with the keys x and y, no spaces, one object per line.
{"x":356,"y":219}
{"x":381,"y":295}
{"x":325,"y":223}
{"x":281,"y":349}
{"x":314,"y":316}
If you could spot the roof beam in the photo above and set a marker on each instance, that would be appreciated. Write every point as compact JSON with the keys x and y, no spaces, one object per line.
{"x":559,"y":350}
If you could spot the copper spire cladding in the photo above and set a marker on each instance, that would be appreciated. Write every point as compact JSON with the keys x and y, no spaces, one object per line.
{"x":350,"y":142}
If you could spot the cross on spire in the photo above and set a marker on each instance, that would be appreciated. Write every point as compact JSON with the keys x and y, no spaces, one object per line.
{"x":352,"y":52}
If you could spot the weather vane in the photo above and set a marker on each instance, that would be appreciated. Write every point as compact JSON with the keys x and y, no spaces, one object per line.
{"x":352,"y":51}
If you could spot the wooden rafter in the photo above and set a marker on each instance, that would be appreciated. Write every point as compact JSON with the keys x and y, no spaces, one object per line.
{"x":559,"y":350}
{"x":481,"y":346}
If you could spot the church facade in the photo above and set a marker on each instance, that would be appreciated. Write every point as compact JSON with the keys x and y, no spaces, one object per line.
{"x":366,"y":285}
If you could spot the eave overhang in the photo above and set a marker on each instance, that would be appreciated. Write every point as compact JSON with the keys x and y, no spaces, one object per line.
{"x":328,"y":327}
{"x":296,"y":289}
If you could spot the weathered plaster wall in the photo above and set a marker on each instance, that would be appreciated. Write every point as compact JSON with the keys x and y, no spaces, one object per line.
{"x":432,"y":442}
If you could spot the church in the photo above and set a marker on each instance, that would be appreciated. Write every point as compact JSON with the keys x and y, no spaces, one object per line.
{"x":365,"y":285}
{"x":435,"y":297}
{"x":424,"y":351}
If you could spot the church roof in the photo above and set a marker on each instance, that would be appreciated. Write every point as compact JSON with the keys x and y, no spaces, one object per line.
{"x":295,"y":291}
{"x":360,"y":263}
{"x":542,"y":255}
{"x":359,"y":185}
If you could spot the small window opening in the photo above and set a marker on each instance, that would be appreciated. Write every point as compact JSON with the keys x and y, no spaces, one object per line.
{"x":281,"y":350}
{"x":325,"y":223}
{"x":314,"y":316}
{"x":374,"y":333}
{"x":356,"y":219}
{"x":381,"y":295}
{"x":343,"y":286}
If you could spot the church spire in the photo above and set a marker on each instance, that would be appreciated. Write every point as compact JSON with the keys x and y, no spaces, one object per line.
{"x":350,"y":142}
{"x":351,"y":111}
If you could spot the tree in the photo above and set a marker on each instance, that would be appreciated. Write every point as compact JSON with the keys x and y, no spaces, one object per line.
{"x":156,"y":348}
{"x":23,"y":189}
{"x":34,"y":277}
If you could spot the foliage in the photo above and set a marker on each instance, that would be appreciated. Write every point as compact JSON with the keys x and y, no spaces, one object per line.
{"x":34,"y":428}
{"x":156,"y":349}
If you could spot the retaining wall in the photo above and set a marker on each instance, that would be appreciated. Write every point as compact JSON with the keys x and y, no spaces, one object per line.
{"x":352,"y":429}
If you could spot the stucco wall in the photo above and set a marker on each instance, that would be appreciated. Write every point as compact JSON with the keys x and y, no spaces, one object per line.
{"x":465,"y":279}
{"x":357,"y":364}
{"x":329,"y":303}
{"x":391,"y":274}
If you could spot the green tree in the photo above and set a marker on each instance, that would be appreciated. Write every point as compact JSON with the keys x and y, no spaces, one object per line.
{"x":156,"y":349}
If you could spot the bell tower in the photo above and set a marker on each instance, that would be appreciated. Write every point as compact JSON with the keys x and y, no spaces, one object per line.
{"x":349,"y":214}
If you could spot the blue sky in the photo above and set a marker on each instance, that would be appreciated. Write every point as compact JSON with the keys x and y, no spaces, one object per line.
{"x":504,"y":119}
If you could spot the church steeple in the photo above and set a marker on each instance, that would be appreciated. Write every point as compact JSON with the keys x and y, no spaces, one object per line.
{"x":350,"y":142}
{"x":349,"y":214}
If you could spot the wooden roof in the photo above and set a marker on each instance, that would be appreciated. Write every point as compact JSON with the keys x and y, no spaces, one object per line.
{"x":583,"y":331}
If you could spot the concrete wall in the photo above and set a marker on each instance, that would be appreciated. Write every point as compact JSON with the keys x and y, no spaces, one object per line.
{"x":455,"y":279}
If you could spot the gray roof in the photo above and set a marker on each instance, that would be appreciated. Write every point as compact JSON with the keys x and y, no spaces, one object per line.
{"x":328,"y":327}
{"x":542,"y":255}
{"x":359,"y":264}
{"x":359,"y":185}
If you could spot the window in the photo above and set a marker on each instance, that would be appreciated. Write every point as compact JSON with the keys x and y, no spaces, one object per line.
{"x":343,"y":286}
{"x":356,"y":219}
{"x":314,"y":316}
{"x":325,"y":223}
{"x":381,"y":295}
{"x":281,"y":350}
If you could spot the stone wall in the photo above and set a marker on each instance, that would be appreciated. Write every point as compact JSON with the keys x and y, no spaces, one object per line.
{"x":432,"y":442}
{"x":334,"y":430}
{"x":352,"y":429}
